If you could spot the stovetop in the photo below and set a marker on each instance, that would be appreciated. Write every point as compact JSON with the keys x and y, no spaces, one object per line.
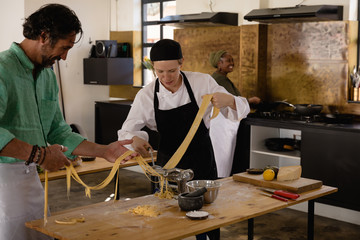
{"x":290,"y":116}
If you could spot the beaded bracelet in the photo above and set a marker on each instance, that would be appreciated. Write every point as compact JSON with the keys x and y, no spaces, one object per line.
{"x":32,"y":155}
{"x":43,"y":158}
{"x":38,"y":156}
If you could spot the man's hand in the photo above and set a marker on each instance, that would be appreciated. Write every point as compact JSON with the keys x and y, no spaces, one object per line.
{"x":54,"y":158}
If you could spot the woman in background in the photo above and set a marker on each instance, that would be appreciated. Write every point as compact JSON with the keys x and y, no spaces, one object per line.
{"x":223,"y":131}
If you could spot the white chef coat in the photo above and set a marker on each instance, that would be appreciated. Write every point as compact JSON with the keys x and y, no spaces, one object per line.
{"x":21,"y":200}
{"x":142,"y":111}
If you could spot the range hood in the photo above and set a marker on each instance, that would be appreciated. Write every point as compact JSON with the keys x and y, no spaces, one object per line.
{"x":204,"y":19}
{"x":299,"y":13}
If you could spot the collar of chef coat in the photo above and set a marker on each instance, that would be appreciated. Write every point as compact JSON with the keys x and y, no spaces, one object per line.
{"x":169,"y":100}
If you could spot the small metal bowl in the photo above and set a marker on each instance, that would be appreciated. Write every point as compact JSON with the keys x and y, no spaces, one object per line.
{"x":190,"y":203}
{"x":87,"y":159}
{"x":211,"y":186}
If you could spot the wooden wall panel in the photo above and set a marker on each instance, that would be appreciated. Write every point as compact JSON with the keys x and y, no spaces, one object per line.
{"x":253,"y":60}
{"x":198,"y":43}
{"x":309,"y":63}
{"x":241,"y":42}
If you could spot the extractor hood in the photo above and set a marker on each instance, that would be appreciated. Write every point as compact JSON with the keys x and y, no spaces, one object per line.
{"x":299,"y":13}
{"x":204,"y":19}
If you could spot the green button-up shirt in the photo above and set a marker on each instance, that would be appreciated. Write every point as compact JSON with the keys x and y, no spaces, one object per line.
{"x":29,"y":108}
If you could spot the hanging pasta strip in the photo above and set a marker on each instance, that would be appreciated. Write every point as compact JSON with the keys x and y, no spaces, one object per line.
{"x":46,"y":197}
{"x":103,"y":183}
{"x":175,"y":159}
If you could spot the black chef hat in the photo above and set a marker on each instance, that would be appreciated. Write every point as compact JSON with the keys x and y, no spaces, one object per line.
{"x":165,"y":49}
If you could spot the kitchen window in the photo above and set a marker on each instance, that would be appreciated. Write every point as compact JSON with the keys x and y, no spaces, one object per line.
{"x":151,"y":13}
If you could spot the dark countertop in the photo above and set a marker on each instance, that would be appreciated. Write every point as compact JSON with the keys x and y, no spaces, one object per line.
{"x":302,"y":125}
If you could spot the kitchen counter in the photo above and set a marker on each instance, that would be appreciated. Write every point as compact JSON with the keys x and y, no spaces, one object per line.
{"x":302,"y":125}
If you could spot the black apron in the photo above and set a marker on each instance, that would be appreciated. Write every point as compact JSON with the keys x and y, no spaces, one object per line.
{"x":173,"y":126}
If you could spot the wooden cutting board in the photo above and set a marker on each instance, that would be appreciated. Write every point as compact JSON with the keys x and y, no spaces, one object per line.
{"x":297,"y":186}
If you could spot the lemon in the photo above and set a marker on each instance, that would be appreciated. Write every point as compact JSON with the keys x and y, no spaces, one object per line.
{"x":268,"y":174}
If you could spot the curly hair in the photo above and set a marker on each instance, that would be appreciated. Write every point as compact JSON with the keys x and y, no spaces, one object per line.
{"x":56,"y":20}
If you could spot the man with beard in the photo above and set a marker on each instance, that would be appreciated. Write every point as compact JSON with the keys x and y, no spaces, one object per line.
{"x":32,"y":128}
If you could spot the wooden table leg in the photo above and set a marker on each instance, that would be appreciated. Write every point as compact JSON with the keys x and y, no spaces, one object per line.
{"x":250,"y":229}
{"x":310,"y":230}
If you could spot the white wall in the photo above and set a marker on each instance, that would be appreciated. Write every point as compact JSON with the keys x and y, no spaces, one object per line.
{"x":11,"y":19}
{"x":125,"y":15}
{"x":79,"y":99}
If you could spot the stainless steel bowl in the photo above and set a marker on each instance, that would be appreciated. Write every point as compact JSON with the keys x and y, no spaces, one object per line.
{"x":211,"y":186}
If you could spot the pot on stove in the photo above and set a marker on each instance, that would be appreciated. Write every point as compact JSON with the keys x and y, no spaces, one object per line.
{"x":307,"y":109}
{"x":301,"y":109}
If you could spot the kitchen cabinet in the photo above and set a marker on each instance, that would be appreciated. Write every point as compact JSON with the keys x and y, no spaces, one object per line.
{"x":109,"y":117}
{"x":329,"y":152}
{"x":333,"y":157}
{"x":108,"y":71}
{"x":260,"y":156}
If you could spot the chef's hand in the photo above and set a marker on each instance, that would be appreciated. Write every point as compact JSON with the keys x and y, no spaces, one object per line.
{"x":254,"y":100}
{"x":221,"y":100}
{"x":54,"y":158}
{"x":116,"y":149}
{"x":141,"y":146}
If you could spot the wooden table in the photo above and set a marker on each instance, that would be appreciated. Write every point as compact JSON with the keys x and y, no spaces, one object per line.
{"x":98,"y":165}
{"x":111,"y":220}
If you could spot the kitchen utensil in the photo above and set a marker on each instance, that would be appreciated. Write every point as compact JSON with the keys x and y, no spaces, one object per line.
{"x":308,"y":109}
{"x":281,"y":193}
{"x":305,"y":109}
{"x":152,"y":156}
{"x":339,"y":118}
{"x":211,"y":186}
{"x":274,"y":196}
{"x":87,"y":159}
{"x":302,"y":109}
{"x":190,"y":203}
{"x":180,"y":176}
{"x":255,"y":170}
{"x":197,"y":192}
{"x":265,"y":106}
{"x":282,"y":144}
{"x":197,"y":215}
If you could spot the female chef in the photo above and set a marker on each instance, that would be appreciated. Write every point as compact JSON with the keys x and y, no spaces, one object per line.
{"x":169,"y":105}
